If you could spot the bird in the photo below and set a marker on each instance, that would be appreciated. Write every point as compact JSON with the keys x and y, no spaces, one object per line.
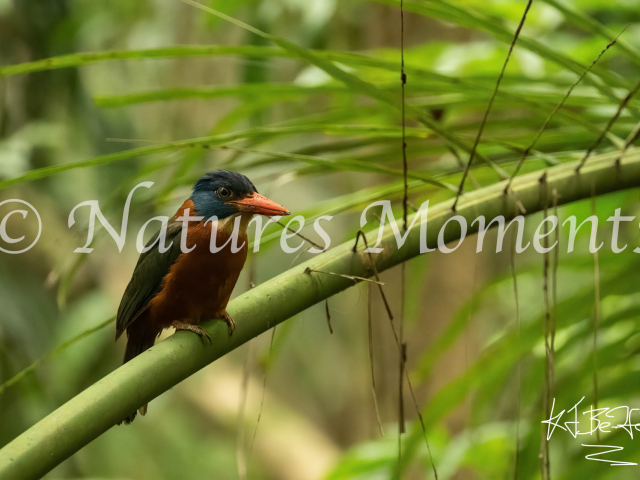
{"x":179,"y":283}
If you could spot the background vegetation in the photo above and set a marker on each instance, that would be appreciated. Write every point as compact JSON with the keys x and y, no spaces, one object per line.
{"x":318,"y":130}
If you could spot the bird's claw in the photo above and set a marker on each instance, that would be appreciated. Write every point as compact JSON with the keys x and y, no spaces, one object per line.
{"x":192,"y":328}
{"x":230,"y":323}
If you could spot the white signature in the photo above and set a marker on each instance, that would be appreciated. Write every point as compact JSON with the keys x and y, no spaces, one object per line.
{"x":600,"y":420}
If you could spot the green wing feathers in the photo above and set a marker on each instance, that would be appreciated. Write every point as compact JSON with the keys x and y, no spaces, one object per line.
{"x":146,"y":280}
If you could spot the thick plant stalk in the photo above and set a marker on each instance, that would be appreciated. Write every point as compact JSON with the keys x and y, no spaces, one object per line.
{"x":101,"y":406}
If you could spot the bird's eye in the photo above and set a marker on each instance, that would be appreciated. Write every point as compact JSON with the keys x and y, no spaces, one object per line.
{"x":224,"y":192}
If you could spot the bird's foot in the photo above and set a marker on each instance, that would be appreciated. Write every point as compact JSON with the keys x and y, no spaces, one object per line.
{"x":180,"y":325}
{"x":230,"y":323}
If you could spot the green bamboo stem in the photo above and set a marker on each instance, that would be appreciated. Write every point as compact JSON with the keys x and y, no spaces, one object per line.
{"x":101,"y":406}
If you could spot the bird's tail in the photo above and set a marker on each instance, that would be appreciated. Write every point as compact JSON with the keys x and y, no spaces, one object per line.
{"x":138,"y":341}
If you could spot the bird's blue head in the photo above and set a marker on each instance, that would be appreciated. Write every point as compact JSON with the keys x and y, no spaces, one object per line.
{"x":224,"y":193}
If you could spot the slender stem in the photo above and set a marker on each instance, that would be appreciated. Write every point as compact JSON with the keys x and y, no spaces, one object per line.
{"x":371,"y":362}
{"x":516,"y":296}
{"x":596,"y":318}
{"x":488,"y":110}
{"x":405,"y":201}
{"x":625,"y":101}
{"x":550,"y":117}
{"x":548,"y":357}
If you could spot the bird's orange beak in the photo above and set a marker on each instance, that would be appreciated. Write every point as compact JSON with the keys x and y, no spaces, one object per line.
{"x":260,"y":205}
